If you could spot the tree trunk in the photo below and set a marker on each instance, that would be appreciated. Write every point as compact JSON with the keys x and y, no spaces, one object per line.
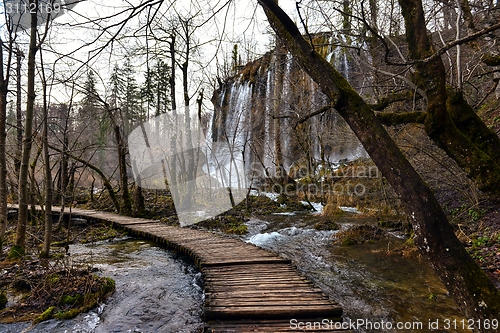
{"x":468,"y":122}
{"x":467,"y":283}
{"x":126,"y":208}
{"x":3,"y":162}
{"x":47,"y":237}
{"x":190,"y":167}
{"x":173,"y":140}
{"x":19,"y":115}
{"x":20,"y":245}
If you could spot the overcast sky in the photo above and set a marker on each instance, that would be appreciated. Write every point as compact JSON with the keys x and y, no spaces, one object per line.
{"x":241,"y":22}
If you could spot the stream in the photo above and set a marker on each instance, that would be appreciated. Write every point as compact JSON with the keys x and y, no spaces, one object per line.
{"x":158,"y":291}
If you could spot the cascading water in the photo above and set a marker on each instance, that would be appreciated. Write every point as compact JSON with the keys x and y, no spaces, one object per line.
{"x":249,"y":101}
{"x":268,"y":137}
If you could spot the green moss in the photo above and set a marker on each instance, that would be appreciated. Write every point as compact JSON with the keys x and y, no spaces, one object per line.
{"x":240,"y":229}
{"x":59,"y":244}
{"x":53,"y":279}
{"x":72,"y":300}
{"x":16,"y":252}
{"x":47,"y":314}
{"x":68,"y":314}
{"x":102,"y":233}
{"x":347,"y":241}
{"x":108,"y":286}
{"x":87,"y":301}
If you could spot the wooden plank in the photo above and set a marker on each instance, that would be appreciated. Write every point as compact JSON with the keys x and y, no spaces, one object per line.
{"x":271,"y":312}
{"x":270,"y":295}
{"x":253,"y":267}
{"x":295,"y":282}
{"x":258,"y":288}
{"x":136,"y":222}
{"x":235,"y":261}
{"x":306,"y":293}
{"x":252,"y":277}
{"x":248,"y":272}
{"x":273,"y":326}
{"x":265,"y":302}
{"x":239,"y":254}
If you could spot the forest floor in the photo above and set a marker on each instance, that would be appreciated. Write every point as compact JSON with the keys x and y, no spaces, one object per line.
{"x":36,"y":289}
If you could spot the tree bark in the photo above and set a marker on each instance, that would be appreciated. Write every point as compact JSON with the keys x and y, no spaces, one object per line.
{"x":3,"y":161}
{"x":19,"y":115}
{"x":173,"y":140}
{"x":20,"y":244}
{"x":47,"y":237}
{"x":63,"y":180}
{"x":126,"y":208}
{"x":467,"y":283}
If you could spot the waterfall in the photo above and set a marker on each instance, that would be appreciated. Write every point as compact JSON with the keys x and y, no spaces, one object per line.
{"x":244,"y":110}
{"x":268,"y":141}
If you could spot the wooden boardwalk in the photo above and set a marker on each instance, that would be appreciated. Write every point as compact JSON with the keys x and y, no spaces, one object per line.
{"x":247,"y":289}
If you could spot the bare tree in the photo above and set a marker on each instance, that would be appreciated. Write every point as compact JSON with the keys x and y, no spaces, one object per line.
{"x":34,"y":45}
{"x":5,"y":67}
{"x":19,"y":248}
{"x":48,"y":193}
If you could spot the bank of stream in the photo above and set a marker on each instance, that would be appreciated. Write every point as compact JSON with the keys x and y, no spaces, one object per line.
{"x":156,"y":291}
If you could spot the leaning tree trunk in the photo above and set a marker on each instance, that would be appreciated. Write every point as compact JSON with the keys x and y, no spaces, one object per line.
{"x":20,"y":245}
{"x":467,"y":283}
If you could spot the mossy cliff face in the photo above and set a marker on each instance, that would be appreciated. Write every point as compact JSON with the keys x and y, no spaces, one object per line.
{"x":264,"y":107}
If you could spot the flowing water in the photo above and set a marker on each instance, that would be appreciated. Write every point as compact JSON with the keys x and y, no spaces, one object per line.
{"x":377,"y":290}
{"x":156,"y":291}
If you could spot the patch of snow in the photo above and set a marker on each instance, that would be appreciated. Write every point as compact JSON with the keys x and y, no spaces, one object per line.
{"x":350,"y":209}
{"x":285,"y":213}
{"x":270,"y":195}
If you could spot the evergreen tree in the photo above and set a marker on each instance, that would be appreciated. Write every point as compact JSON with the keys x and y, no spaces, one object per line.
{"x":117,"y":87}
{"x":131,"y":96}
{"x":155,"y":91}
